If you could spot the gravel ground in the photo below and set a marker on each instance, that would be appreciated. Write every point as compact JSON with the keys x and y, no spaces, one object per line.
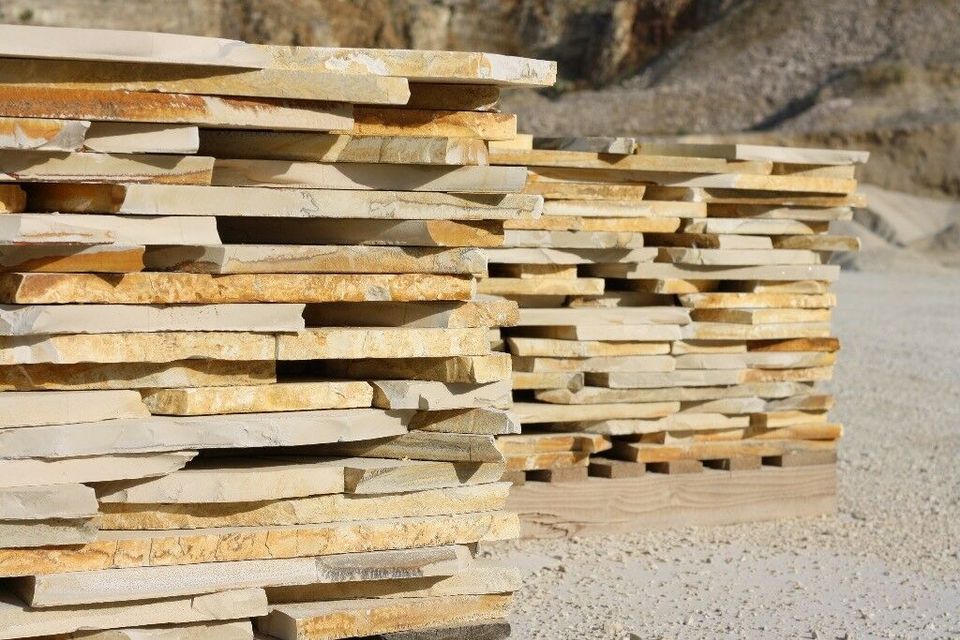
{"x":888,"y":566}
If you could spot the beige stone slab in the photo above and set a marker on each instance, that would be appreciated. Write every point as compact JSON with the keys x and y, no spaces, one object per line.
{"x":529,"y":380}
{"x":13,"y":199}
{"x":44,"y":533}
{"x":737,"y":257}
{"x":321,"y":147}
{"x":600,"y":395}
{"x":777,"y":199}
{"x":725,"y":405}
{"x":535,"y":271}
{"x":575,"y":240}
{"x":678,"y":378}
{"x":751,"y":226}
{"x":53,"y":319}
{"x":136,"y":347}
{"x":512,"y":287}
{"x":796,"y":286}
{"x":622,"y":299}
{"x":230,"y":480}
{"x":19,"y":473}
{"x":30,"y":409}
{"x":173,"y":78}
{"x":362,"y":176}
{"x":681,"y":347}
{"x":38,"y":166}
{"x":708,"y":241}
{"x":173,"y":108}
{"x":139,"y":375}
{"x":458,"y":369}
{"x":538,"y":412}
{"x":642,"y":452}
{"x":189,"y":288}
{"x":811,"y":374}
{"x":41,"y":134}
{"x":443,"y":315}
{"x":422,"y":445}
{"x":628,"y":209}
{"x":761,"y":316}
{"x":739,"y":151}
{"x":120,"y":549}
{"x":18,"y":620}
{"x":71,"y":258}
{"x":622,"y":333}
{"x":552,"y":442}
{"x":775,"y":419}
{"x":795,"y":344}
{"x":431,"y":123}
{"x":370,"y":342}
{"x":607,"y":162}
{"x":147,"y":583}
{"x":558,"y":190}
{"x":596,"y":144}
{"x":401,"y":233}
{"x":368,"y":476}
{"x":191,"y":200}
{"x":761,"y":360}
{"x":678,"y":422}
{"x":434,"y":396}
{"x":142,"y":137}
{"x":283,"y":396}
{"x":596,"y":317}
{"x":758,"y":300}
{"x":96,"y":229}
{"x":165,"y":433}
{"x":347,"y":618}
{"x":740,"y":181}
{"x":789,"y":213}
{"x":47,"y":502}
{"x":546,"y":347}
{"x":661,"y":363}
{"x":580,"y":223}
{"x":484,"y":421}
{"x":568,"y":256}
{"x":335,"y":508}
{"x":665,"y":286}
{"x":235,"y":630}
{"x":649,"y":271}
{"x":479,"y":578}
{"x":818,"y":243}
{"x":226,"y":259}
{"x":805,"y":402}
{"x":551,"y":460}
{"x":732,"y":331}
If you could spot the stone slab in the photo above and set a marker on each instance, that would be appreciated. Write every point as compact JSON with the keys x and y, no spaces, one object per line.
{"x":45,"y":502}
{"x":594,"y":144}
{"x":283,"y":396}
{"x":554,"y":256}
{"x":758,"y":300}
{"x":453,"y":97}
{"x":96,"y":229}
{"x":434,"y":396}
{"x":41,"y":134}
{"x":545,"y":347}
{"x":456,"y":369}
{"x":71,"y":258}
{"x":426,"y":315}
{"x":370,"y":342}
{"x":654,"y":271}
{"x":142,"y":137}
{"x":516,"y":287}
{"x":600,"y":395}
{"x":31,"y":409}
{"x":421,"y":445}
{"x":13,"y":199}
{"x":607,"y":162}
{"x":235,"y":630}
{"x":538,"y":412}
{"x":365,"y":476}
{"x":597,"y":364}
{"x":476,"y":421}
{"x":39,"y":471}
{"x":739,"y":151}
{"x":737,"y":257}
{"x":432,"y":123}
{"x":39,"y":166}
{"x":44,"y":533}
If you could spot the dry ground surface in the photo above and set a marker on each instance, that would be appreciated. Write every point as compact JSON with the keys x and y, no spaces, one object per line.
{"x":887,"y":566}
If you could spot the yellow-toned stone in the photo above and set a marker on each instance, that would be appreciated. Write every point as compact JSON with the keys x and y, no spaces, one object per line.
{"x":432,"y":123}
{"x":535,"y":412}
{"x":34,"y":166}
{"x":364,"y":342}
{"x":467,"y":369}
{"x":545,"y":347}
{"x":758,"y":300}
{"x":24,"y":134}
{"x":283,"y":396}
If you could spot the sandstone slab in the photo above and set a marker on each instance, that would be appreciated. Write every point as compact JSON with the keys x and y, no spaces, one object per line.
{"x":38,"y":166}
{"x":46,"y":502}
{"x":142,"y":137}
{"x":44,"y":533}
{"x":40,"y":471}
{"x":96,"y":229}
{"x":31,"y":409}
{"x":40,"y":134}
{"x":369,"y":342}
{"x":422,"y":445}
{"x":283,"y":396}
{"x":434,"y":396}
{"x":456,"y":369}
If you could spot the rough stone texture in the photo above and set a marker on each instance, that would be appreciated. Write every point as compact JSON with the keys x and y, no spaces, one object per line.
{"x":19,"y":473}
{"x":44,"y":533}
{"x":37,"y":166}
{"x":94,"y":229}
{"x":239,"y":630}
{"x":434,"y":396}
{"x":142,"y":137}
{"x":532,"y":412}
{"x":42,"y":134}
{"x":283,"y":396}
{"x":419,"y":445}
{"x":118,"y":549}
{"x":358,"y":343}
{"x":13,"y":199}
{"x":65,"y":501}
{"x":71,"y":258}
{"x":371,"y":475}
{"x":476,"y":421}
{"x":31,"y":409}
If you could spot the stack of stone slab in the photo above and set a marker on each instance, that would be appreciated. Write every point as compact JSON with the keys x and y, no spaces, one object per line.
{"x":675,"y":305}
{"x":245,"y":383}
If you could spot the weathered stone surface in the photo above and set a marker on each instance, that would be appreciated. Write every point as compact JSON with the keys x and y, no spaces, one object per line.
{"x":708,"y":241}
{"x":192,"y":288}
{"x":796,"y":344}
{"x":643,"y":452}
{"x":319,"y":147}
{"x":94,"y":229}
{"x":172,"y":78}
{"x":165,"y":433}
{"x":44,"y":533}
{"x":788,"y":155}
{"x":62,"y":502}
{"x":36,"y":134}
{"x":136,"y":347}
{"x":758,"y":300}
{"x":546,"y":347}
{"x":19,"y":621}
{"x":400,"y":233}
{"x":759,"y":360}
{"x":602,"y":331}
{"x":444,"y":315}
{"x":552,"y":256}
{"x":38,"y":166}
{"x":761,"y":316}
{"x":578,"y":240}
{"x":422,"y":445}
{"x":751,"y":226}
{"x":453,"y":97}
{"x":613,"y":145}
{"x":147,"y":583}
{"x":142,"y":137}
{"x":373,"y":475}
{"x":346,"y":618}
{"x":533,"y":412}
{"x":544,"y":461}
{"x":434,"y":396}
{"x":736,"y":257}
{"x":515,"y":287}
{"x":747,"y":212}
{"x":732,"y":331}
{"x":796,"y":286}
{"x":598,"y":317}
{"x":31,"y":409}
{"x":607,"y":162}
{"x":432,"y":123}
{"x":283,"y":396}
{"x":369,"y":342}
{"x":818,"y":243}
{"x":456,"y":369}
{"x":529,"y":380}
{"x":678,"y":422}
{"x":662,"y":363}
{"x":384,"y":177}
{"x":13,"y":199}
{"x":742,"y":196}
{"x":219,"y":259}
{"x":335,"y":508}
{"x":187,"y":200}
{"x":658,"y":270}
{"x":476,"y":421}
{"x":138,"y":375}
{"x":599,"y":395}
{"x":679,"y":378}
{"x":237,"y":630}
{"x":230,"y":480}
{"x":71,"y":258}
{"x":19,"y":473}
{"x":552,"y":442}
{"x":54,"y":319}
{"x":119,"y":549}
{"x":172,"y":108}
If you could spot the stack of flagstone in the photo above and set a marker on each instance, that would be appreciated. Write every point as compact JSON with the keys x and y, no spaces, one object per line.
{"x":675,"y":305}
{"x":244,"y":379}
